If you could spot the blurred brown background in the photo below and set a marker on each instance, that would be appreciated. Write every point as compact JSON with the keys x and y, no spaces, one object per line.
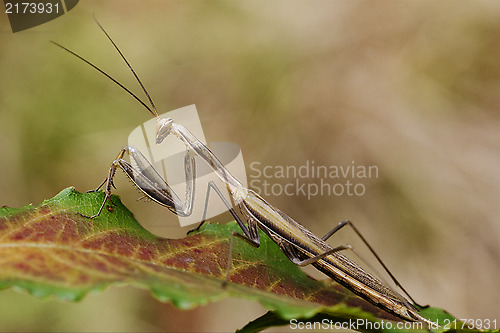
{"x":410,"y":86}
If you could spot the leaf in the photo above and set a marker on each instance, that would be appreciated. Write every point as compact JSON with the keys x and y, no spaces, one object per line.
{"x":53,"y":251}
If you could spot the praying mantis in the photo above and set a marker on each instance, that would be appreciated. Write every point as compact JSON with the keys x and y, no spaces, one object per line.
{"x":299,"y":245}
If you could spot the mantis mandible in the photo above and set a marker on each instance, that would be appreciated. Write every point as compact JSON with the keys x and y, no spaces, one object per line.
{"x":299,"y":244}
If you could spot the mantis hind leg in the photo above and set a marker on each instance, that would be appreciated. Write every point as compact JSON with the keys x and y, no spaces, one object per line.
{"x":393,"y":278}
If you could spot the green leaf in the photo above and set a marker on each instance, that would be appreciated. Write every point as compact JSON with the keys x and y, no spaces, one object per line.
{"x":54,"y":251}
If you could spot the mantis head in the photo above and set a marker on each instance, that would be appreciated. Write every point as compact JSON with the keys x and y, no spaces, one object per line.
{"x":163,"y":129}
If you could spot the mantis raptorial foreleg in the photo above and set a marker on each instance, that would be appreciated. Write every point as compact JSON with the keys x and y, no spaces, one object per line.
{"x":146,"y":179}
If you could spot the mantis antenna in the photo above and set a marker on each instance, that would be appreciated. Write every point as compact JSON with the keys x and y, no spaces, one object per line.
{"x":151,"y":109}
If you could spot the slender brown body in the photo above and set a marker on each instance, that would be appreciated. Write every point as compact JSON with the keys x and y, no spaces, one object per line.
{"x":296,"y":241}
